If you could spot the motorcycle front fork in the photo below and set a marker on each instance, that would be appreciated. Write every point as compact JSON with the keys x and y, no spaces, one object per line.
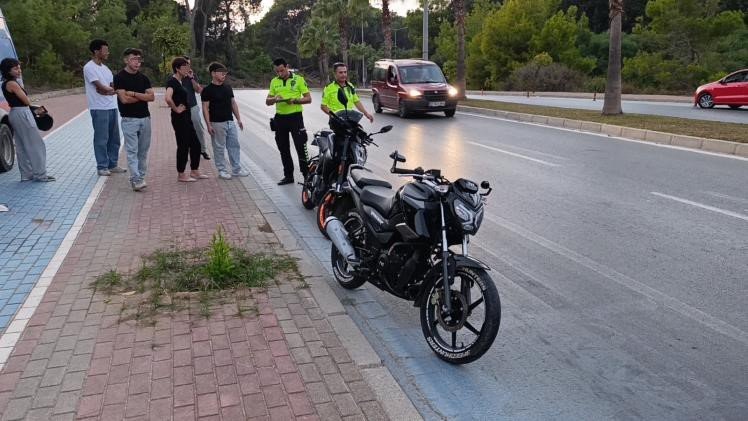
{"x":445,"y":265}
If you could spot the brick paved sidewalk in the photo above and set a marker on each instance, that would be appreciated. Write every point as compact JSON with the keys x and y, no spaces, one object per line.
{"x":76,"y":358}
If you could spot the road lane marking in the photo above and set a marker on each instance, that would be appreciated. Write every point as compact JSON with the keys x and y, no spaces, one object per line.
{"x":623,"y":280}
{"x":605,"y":136}
{"x":539,"y":161}
{"x":702,"y":206}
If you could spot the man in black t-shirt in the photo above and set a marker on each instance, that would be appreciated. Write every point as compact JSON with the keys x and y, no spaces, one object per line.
{"x":134,"y":92}
{"x":218,"y":107}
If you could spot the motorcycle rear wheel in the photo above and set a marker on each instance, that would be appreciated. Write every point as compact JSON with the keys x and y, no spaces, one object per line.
{"x":343,"y":273}
{"x":442,"y":330}
{"x":306,"y":191}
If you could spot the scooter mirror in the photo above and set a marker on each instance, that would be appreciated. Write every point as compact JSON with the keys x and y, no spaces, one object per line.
{"x":385,"y":129}
{"x":397,"y":157}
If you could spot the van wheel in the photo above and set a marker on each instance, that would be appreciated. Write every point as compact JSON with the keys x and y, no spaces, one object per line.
{"x":377,"y":104}
{"x":402,"y":110}
{"x":450,"y":113}
{"x":7,"y":148}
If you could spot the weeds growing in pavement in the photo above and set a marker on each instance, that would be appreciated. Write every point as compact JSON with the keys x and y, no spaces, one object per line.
{"x":171,"y":279}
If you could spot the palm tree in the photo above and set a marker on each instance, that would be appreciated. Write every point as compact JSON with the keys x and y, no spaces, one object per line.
{"x":612,"y":103}
{"x":319,"y":39}
{"x":459,"y":9}
{"x":387,"y":28}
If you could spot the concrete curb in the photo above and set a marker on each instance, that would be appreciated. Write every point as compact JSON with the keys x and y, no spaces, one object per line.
{"x":390,"y":395}
{"x":706,"y":144}
{"x":585,"y":95}
{"x":55,"y":94}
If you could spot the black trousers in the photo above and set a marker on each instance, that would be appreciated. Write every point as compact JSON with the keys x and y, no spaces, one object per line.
{"x":292,"y":124}
{"x":188,"y":144}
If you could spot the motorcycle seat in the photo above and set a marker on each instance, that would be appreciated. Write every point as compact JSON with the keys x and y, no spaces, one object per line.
{"x":380,"y":198}
{"x":363,"y":177}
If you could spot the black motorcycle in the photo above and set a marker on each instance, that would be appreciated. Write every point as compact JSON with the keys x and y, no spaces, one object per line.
{"x":399,"y":241}
{"x":338,"y":149}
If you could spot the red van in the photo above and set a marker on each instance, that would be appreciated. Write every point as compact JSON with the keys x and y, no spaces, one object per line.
{"x":7,"y":147}
{"x":411,"y":86}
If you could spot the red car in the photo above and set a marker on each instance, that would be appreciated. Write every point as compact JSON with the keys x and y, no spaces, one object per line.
{"x":411,"y":86}
{"x":731,"y":90}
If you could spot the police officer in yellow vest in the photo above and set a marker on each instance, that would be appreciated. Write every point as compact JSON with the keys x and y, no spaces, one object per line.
{"x":330,"y":102}
{"x":288,"y":91}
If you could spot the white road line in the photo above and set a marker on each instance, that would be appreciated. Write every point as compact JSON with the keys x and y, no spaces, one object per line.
{"x":539,"y":161}
{"x":652,"y":294}
{"x":605,"y":136}
{"x":703,"y":206}
{"x":63,"y":125}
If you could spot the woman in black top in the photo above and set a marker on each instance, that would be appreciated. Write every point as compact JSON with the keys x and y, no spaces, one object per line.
{"x":30,"y":149}
{"x":188,"y":144}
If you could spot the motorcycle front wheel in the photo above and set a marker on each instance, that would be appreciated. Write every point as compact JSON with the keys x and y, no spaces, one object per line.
{"x":465,"y":334}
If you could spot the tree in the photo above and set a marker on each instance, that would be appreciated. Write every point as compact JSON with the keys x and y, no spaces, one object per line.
{"x":459,"y":9}
{"x":387,"y":28}
{"x":318,"y":39}
{"x":612,"y":104}
{"x":339,"y":12}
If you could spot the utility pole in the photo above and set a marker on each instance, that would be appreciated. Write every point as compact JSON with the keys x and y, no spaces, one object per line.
{"x":363,"y":56}
{"x":425,"y":29}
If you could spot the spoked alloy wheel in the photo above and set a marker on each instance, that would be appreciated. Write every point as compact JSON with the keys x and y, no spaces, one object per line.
{"x":324,"y":210}
{"x":306,"y":191}
{"x":466,"y":333}
{"x":341,"y":270}
{"x":706,"y":101}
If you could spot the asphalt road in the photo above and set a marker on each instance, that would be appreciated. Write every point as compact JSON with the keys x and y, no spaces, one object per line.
{"x":671,"y":109}
{"x":622,"y":269}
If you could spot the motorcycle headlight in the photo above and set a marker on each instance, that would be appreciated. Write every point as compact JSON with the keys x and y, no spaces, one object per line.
{"x":463,"y":212}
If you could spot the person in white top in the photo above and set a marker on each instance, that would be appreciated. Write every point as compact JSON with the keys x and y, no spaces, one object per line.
{"x":102,"y":103}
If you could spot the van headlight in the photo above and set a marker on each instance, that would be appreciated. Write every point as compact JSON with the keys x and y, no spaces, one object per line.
{"x":453,"y":91}
{"x":414,"y":93}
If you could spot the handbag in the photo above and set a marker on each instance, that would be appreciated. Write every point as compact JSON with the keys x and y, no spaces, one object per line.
{"x":44,"y":121}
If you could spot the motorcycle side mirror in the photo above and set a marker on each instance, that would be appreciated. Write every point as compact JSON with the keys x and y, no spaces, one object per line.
{"x":486,"y":185}
{"x":397,"y":157}
{"x":342,"y":98}
{"x":385,"y":129}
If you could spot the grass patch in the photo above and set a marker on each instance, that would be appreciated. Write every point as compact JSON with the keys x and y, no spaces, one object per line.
{"x":171,"y":278}
{"x":734,"y":132}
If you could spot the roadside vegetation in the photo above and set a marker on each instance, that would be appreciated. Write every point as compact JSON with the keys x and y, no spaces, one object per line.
{"x":700,"y":128}
{"x":668,"y":46}
{"x":171,"y":279}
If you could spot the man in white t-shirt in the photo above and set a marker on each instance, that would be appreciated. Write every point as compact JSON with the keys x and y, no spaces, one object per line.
{"x":102,"y":103}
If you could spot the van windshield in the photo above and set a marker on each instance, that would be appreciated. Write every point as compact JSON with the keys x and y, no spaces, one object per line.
{"x":6,"y":48}
{"x":429,"y":73}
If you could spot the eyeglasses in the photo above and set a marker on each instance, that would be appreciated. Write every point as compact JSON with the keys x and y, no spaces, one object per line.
{"x":136,"y":59}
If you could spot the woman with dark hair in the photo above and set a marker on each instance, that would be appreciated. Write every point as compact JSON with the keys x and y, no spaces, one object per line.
{"x":30,"y":149}
{"x":188,"y":144}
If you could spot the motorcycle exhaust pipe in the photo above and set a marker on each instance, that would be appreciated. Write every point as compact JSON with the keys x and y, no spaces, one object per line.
{"x":339,"y":236}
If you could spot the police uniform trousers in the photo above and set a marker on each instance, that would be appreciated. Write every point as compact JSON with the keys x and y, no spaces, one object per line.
{"x":292,"y":124}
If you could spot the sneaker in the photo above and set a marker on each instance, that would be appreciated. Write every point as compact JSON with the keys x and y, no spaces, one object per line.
{"x":105,"y":173}
{"x":224,"y":175}
{"x":117,"y":170}
{"x":285,"y":180}
{"x":240,"y":173}
{"x":205,"y":156}
{"x":45,"y":179}
{"x":140,"y":185}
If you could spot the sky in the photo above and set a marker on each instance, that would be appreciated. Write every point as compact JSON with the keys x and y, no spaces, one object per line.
{"x":398,"y":6}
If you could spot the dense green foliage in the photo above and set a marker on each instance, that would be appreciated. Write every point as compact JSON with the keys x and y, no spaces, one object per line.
{"x":668,"y":45}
